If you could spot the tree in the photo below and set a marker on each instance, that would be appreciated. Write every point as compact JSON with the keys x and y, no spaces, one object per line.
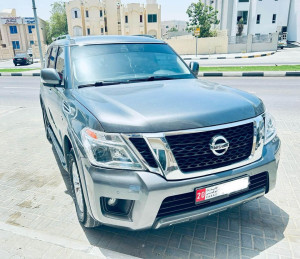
{"x":173,"y":29}
{"x":240,"y":27}
{"x":58,"y":21}
{"x":202,"y":16}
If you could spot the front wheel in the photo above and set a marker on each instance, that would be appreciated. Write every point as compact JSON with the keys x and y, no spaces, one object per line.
{"x":77,"y":194}
{"x":46,"y":125}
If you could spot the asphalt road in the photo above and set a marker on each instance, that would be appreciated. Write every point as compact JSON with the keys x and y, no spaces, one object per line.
{"x":37,"y":215}
{"x":10,"y":64}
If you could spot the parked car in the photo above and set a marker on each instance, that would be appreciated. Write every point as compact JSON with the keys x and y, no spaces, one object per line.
{"x":29,"y":52}
{"x":282,"y":40}
{"x":22,"y":59}
{"x":146,"y":143}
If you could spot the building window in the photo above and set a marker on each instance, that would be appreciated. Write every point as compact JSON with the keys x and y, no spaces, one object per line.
{"x":126,"y":18}
{"x":243,"y":1}
{"x":101,"y":13}
{"x":102,"y":30}
{"x":141,"y":18}
{"x":152,"y":18}
{"x":87,"y":14}
{"x":105,"y":28}
{"x":75,"y":13}
{"x":16,"y":44}
{"x":30,"y":27}
{"x":88,"y":31}
{"x":258,"y":19}
{"x":242,"y":15}
{"x":274,"y":18}
{"x":13,"y":29}
{"x":31,"y":42}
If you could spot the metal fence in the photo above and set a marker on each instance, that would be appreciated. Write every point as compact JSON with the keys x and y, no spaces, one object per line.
{"x":264,"y":38}
{"x":237,"y":40}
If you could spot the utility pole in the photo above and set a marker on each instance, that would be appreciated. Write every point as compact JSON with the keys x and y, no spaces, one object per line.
{"x":37,"y":31}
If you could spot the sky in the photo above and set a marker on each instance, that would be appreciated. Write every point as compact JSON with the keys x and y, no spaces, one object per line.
{"x":171,"y":9}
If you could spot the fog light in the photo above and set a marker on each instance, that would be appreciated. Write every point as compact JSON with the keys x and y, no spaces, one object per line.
{"x":116,"y":207}
{"x":112,"y":202}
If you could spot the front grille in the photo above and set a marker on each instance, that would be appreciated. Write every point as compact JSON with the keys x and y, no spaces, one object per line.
{"x":192,"y":151}
{"x":186,"y":202}
{"x":141,"y":145}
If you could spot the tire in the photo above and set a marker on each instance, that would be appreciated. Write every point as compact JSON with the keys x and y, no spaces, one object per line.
{"x":76,"y":192}
{"x":281,"y":47}
{"x":46,"y":124}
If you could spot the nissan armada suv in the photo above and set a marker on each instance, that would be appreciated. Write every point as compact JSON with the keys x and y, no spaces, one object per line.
{"x":146,"y":143}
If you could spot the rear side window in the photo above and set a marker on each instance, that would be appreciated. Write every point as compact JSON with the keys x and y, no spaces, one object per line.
{"x":52,"y":58}
{"x":60,"y":63}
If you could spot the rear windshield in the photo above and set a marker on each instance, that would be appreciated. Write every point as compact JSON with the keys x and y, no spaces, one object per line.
{"x":21,"y":55}
{"x":113,"y":62}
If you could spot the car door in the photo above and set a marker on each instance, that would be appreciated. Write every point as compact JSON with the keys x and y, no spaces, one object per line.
{"x":60,"y":103}
{"x":50,"y":94}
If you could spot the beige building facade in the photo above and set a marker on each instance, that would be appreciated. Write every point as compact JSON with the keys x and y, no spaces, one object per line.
{"x":18,"y":34}
{"x":111,"y":17}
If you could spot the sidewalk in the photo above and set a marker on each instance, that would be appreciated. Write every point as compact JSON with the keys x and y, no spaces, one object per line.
{"x":250,"y":74}
{"x":229,"y":56}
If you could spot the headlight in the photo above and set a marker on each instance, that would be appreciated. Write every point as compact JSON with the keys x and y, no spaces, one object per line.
{"x":270,"y":128}
{"x":108,"y":150}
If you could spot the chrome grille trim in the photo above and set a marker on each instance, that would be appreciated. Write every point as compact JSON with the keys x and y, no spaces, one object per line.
{"x":167,"y":165}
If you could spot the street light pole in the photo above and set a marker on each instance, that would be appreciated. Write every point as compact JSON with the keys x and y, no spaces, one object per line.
{"x":37,"y":31}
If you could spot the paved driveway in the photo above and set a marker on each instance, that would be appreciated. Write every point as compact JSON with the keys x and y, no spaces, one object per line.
{"x":37,"y":215}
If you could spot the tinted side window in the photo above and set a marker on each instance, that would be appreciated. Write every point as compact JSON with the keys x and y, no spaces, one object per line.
{"x":52,"y":58}
{"x":60,"y":63}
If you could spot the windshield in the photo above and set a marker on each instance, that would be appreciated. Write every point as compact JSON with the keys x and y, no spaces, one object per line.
{"x":124,"y":62}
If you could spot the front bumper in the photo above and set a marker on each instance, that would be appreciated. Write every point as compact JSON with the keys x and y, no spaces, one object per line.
{"x":148,"y":190}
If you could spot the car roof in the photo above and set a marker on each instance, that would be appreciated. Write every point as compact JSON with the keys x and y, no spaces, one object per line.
{"x":105,"y":39}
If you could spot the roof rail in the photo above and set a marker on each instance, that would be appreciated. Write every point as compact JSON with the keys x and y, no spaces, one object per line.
{"x":67,"y":37}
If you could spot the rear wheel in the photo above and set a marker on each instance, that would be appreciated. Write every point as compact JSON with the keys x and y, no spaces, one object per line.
{"x":77,"y":194}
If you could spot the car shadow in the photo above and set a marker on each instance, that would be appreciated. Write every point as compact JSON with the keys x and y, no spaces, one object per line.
{"x":243,"y":231}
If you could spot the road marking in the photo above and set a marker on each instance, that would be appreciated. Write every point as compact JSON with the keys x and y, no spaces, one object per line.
{"x":17,"y":87}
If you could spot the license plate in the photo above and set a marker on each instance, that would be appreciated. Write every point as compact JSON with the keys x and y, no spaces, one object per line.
{"x":208,"y":193}
{"x":19,"y":59}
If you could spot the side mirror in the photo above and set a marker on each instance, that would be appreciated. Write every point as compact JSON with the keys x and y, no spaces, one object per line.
{"x":194,"y":66}
{"x":50,"y":77}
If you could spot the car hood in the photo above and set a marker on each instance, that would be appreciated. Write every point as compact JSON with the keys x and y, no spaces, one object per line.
{"x":162,"y":106}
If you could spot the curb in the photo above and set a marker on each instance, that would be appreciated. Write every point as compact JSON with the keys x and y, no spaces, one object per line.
{"x":236,"y":57}
{"x":249,"y":74}
{"x":19,"y":74}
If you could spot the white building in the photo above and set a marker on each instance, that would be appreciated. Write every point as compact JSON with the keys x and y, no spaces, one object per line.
{"x":259,"y":16}
{"x":111,"y":17}
{"x":294,"y":21}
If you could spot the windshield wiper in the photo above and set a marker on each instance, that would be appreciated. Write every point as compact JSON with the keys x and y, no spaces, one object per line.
{"x":100,"y":83}
{"x":151,"y":78}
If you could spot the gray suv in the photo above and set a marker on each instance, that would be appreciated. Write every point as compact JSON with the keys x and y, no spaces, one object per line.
{"x":146,"y":143}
